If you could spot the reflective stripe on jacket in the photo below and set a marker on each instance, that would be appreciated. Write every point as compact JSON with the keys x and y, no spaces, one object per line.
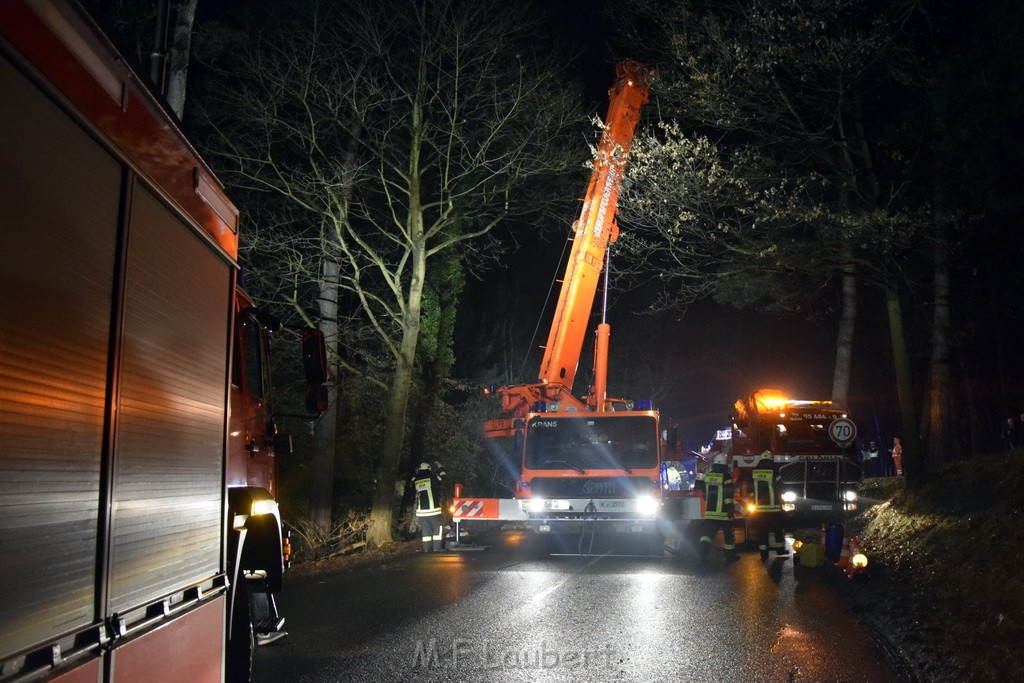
{"x":428,"y":493}
{"x":718,"y":492}
{"x":765,"y":495}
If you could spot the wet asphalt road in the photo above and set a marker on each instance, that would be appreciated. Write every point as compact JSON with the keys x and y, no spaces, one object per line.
{"x":514,"y":613}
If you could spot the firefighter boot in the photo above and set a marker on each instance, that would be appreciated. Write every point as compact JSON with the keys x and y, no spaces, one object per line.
{"x":705,"y":548}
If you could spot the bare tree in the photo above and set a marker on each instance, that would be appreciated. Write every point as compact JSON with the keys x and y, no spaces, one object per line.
{"x":180,"y":54}
{"x":785,"y":81}
{"x":388,"y":134}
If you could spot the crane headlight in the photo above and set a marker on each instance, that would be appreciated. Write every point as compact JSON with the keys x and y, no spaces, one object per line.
{"x":646,"y":506}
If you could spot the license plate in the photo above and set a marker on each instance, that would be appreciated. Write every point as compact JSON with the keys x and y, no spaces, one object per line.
{"x":821,"y":507}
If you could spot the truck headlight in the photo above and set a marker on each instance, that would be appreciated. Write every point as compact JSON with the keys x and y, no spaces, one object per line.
{"x":850,"y":496}
{"x":646,"y":506}
{"x":535,"y":505}
{"x":267,"y":506}
{"x":789,"y":497}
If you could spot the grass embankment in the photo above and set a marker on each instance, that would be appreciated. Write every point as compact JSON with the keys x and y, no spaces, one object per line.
{"x":946,"y":588}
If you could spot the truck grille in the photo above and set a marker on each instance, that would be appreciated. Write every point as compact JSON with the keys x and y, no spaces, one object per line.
{"x":591,"y":487}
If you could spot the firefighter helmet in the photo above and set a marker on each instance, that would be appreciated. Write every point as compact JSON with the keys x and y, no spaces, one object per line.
{"x":424,"y":465}
{"x":720,"y":459}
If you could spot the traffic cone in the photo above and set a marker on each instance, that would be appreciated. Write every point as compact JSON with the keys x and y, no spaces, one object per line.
{"x":858,"y":560}
{"x":854,"y":549}
{"x":844,"y":556}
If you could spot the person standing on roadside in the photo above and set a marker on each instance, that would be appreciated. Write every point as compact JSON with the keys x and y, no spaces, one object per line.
{"x":718,"y":509}
{"x":766,"y":496}
{"x":870,"y":460}
{"x":1011,"y":434}
{"x":427,"y":484}
{"x":897,"y":455}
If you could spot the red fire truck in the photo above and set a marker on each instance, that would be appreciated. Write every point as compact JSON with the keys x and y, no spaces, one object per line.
{"x":140,"y":536}
{"x":810,"y":440}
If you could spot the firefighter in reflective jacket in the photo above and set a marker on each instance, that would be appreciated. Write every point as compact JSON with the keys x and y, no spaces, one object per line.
{"x":768,"y":510}
{"x":427,"y":484}
{"x":718,"y":509}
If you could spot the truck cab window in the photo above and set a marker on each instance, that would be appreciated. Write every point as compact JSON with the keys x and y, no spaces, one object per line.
{"x":249,"y":358}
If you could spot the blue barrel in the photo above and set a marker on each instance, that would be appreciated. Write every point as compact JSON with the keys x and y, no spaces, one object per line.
{"x":833,"y":541}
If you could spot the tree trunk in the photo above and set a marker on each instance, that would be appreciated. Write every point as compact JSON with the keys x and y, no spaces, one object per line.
{"x":844,"y":343}
{"x":321,"y":498}
{"x":913,"y":465}
{"x":181,"y":46}
{"x":382,"y":513}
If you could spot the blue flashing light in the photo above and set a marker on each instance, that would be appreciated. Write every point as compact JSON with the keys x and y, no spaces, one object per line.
{"x":524,"y":484}
{"x":644,"y":404}
{"x":538,"y":407}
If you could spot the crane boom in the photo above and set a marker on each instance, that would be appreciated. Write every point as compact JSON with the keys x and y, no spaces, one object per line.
{"x":593,"y":232}
{"x":596,"y":228}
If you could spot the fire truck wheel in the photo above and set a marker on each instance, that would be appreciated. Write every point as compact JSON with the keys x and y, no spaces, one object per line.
{"x":240,"y":641}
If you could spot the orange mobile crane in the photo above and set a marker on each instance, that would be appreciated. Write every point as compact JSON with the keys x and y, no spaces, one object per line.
{"x":593,"y":458}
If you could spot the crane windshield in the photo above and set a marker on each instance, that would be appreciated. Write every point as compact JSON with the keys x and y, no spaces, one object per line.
{"x":587,"y":442}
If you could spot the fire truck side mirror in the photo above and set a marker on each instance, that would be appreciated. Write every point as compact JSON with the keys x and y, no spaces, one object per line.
{"x":314,"y":357}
